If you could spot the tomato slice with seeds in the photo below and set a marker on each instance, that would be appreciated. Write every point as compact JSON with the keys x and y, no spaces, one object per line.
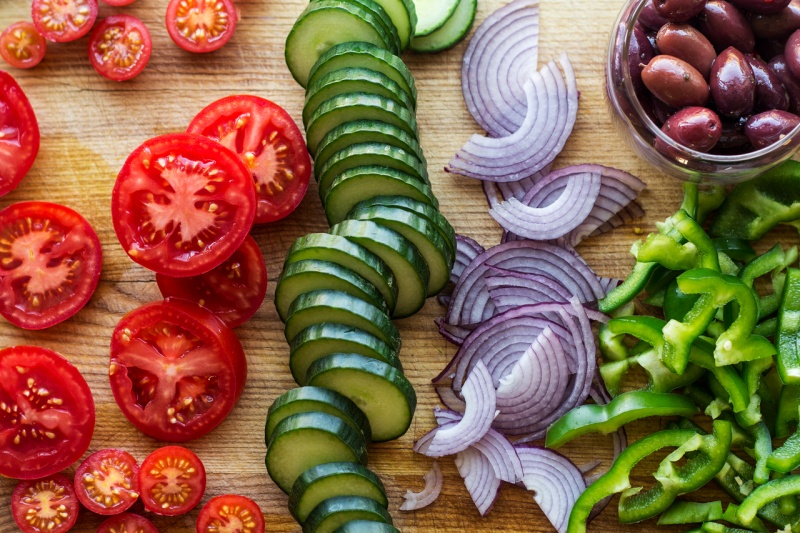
{"x":127,"y":523}
{"x":231,"y":514}
{"x":201,"y":25}
{"x":107,"y":482}
{"x":268,"y":142}
{"x":62,"y":21}
{"x":182,"y":204}
{"x":233,"y":291}
{"x":45,"y":505}
{"x":19,"y":134}
{"x":22,"y":46}
{"x":176,"y":370}
{"x":119,"y":47}
{"x":172,"y":480}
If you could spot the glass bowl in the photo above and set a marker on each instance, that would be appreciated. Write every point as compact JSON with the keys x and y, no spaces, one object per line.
{"x":652,"y":145}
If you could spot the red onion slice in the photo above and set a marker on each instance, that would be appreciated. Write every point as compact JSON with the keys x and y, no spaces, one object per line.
{"x":450,"y":399}
{"x":479,"y":478}
{"x":515,"y":290}
{"x":428,"y":495}
{"x":466,"y":251}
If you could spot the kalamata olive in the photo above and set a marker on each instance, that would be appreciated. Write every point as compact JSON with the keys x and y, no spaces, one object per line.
{"x":697,"y":128}
{"x":733,"y":84}
{"x":661,"y":111}
{"x":650,"y":18}
{"x":790,"y":83}
{"x":679,"y":10}
{"x":685,"y":42}
{"x":769,"y":48}
{"x":640,"y":52}
{"x":792,"y":53}
{"x":733,"y":140}
{"x":770,"y":92}
{"x":726,"y":26}
{"x":769,"y":127}
{"x":779,"y":25}
{"x":675,"y":82}
{"x":765,"y":7}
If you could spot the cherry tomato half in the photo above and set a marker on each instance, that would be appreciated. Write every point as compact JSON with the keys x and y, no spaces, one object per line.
{"x":176,"y":370}
{"x":270,"y":145}
{"x":45,"y":505}
{"x":201,"y":25}
{"x":119,"y":47}
{"x":62,"y":21}
{"x":172,"y":480}
{"x":22,"y":46}
{"x":127,"y":523}
{"x":46,"y":413}
{"x":230,"y":513}
{"x":107,"y":482}
{"x":182,"y":204}
{"x":19,"y":134}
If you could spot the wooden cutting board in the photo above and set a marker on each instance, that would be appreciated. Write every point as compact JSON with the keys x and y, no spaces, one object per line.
{"x":90,"y":125}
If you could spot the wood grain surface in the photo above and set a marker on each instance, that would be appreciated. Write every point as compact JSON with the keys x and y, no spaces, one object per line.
{"x":90,"y":125}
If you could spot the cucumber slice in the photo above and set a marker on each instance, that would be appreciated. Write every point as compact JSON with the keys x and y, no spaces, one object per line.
{"x":353,"y":80}
{"x":326,"y":247}
{"x":321,"y":340}
{"x":306,"y":276}
{"x":381,"y":391}
{"x":321,"y":482}
{"x":364,"y":55}
{"x":341,"y":308}
{"x":334,"y":512}
{"x":357,"y":106}
{"x":402,"y":256}
{"x":362,"y":183}
{"x":315,"y":399}
{"x":362,"y":131}
{"x":404,"y":15}
{"x":325,"y":24}
{"x":419,"y":231}
{"x":365,"y":526}
{"x":452,"y":32}
{"x":432,"y":15}
{"x":305,"y":440}
{"x":369,"y":154}
{"x":378,"y":12}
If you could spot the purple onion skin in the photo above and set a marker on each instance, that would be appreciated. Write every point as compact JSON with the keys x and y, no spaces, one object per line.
{"x":650,"y":18}
{"x":762,"y":7}
{"x":725,"y":26}
{"x":790,"y":83}
{"x":765,"y":129}
{"x":770,"y":92}
{"x":779,"y":25}
{"x":733,"y":84}
{"x":792,"y":53}
{"x":685,"y":42}
{"x":675,"y":82}
{"x":698,"y":128}
{"x":640,"y":52}
{"x":679,"y":10}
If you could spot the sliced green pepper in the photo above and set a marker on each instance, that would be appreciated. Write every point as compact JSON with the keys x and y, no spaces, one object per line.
{"x":766,"y":494}
{"x":698,"y":251}
{"x":713,"y":527}
{"x":736,"y":249}
{"x":709,"y":200}
{"x":787,"y":338}
{"x":730,"y":516}
{"x":691,"y":513}
{"x":787,"y":411}
{"x":762,"y":451}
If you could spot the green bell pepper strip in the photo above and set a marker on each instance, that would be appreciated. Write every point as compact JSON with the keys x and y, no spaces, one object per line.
{"x":713,"y":527}
{"x":730,"y":516}
{"x":767,"y":328}
{"x":656,"y":299}
{"x":787,"y":504}
{"x":660,"y":379}
{"x":762,"y":452}
{"x":736,"y":249}
{"x":787,"y":457}
{"x":787,"y":337}
{"x":788,"y":407}
{"x":621,"y":410}
{"x":698,"y":251}
{"x":708,"y":201}
{"x":770,"y":392}
{"x":775,"y":261}
{"x":691,"y":513}
{"x":766,"y":494}
{"x":677,"y":303}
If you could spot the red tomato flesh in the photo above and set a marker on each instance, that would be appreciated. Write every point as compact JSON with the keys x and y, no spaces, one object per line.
{"x":201,"y":25}
{"x":63,"y":21}
{"x":119,"y":47}
{"x":22,"y":46}
{"x":118,"y":3}
{"x":172,"y":480}
{"x":268,"y":142}
{"x":19,"y":134}
{"x":45,"y":506}
{"x":127,"y":523}
{"x":107,"y":482}
{"x":231,"y":514}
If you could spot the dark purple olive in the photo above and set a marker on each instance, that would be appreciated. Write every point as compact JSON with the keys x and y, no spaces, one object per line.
{"x":769,"y":127}
{"x":685,"y":42}
{"x":650,"y":18}
{"x":790,"y":83}
{"x":733,"y":140}
{"x":726,"y":26}
{"x":778,"y":26}
{"x":697,"y":128}
{"x":764,"y":7}
{"x":769,"y":48}
{"x":679,"y":10}
{"x":640,"y":52}
{"x":661,"y":111}
{"x":770,"y":92}
{"x":733,"y":84}
{"x":675,"y":82}
{"x":792,"y":53}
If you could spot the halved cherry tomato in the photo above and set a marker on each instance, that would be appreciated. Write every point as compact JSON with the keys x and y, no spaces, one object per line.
{"x":127,"y":523}
{"x":176,"y":370}
{"x":50,"y":261}
{"x":172,"y":480}
{"x":46,"y":413}
{"x":270,"y":145}
{"x":62,"y":21}
{"x":22,"y":46}
{"x":201,"y":25}
{"x":230,"y":513}
{"x":233,"y":291}
{"x":119,"y":47}
{"x":45,"y":505}
{"x":182,"y":204}
{"x":107,"y":482}
{"x":19,"y":134}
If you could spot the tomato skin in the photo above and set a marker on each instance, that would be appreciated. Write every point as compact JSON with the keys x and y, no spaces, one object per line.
{"x":207,"y":188}
{"x":22,"y":46}
{"x":230,"y":513}
{"x":182,"y":14}
{"x":242,"y":123}
{"x":109,"y":36}
{"x":57,"y":491}
{"x":118,"y":3}
{"x":18,"y":150}
{"x":62,"y":21}
{"x":182,"y":467}
{"x":110,"y":475}
{"x":127,"y":523}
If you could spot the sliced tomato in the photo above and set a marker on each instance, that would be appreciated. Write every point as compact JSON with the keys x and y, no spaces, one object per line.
{"x":270,"y":145}
{"x":118,"y":3}
{"x":22,"y":46}
{"x":46,"y":413}
{"x":46,"y":505}
{"x":119,"y":47}
{"x":172,"y":480}
{"x":62,"y":21}
{"x":50,"y":262}
{"x":127,"y":523}
{"x":201,"y":25}
{"x":19,"y":134}
{"x":232,"y":514}
{"x":233,"y":291}
{"x":107,"y":482}
{"x":182,"y":204}
{"x":176,"y":370}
